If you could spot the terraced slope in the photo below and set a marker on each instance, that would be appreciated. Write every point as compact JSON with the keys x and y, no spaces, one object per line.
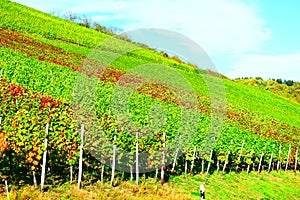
{"x":40,"y":58}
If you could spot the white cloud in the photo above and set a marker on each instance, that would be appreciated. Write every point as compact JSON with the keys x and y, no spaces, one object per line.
{"x":106,"y":18}
{"x":219,"y":26}
{"x":281,"y":66}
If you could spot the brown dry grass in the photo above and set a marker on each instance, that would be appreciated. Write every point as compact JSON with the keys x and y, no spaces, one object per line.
{"x":125,"y":190}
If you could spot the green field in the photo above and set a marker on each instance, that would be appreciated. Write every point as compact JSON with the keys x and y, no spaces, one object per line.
{"x":41,"y":60}
{"x":217,"y":186}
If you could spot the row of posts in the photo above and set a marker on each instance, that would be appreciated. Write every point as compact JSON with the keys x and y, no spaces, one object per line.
{"x":137,"y":162}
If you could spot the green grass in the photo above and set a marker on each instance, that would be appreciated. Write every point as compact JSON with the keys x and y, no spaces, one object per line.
{"x":242,"y":185}
{"x":263,"y":102}
{"x":217,"y":186}
{"x":291,"y":92}
{"x":256,"y":110}
{"x":67,"y":47}
{"x":29,"y":20}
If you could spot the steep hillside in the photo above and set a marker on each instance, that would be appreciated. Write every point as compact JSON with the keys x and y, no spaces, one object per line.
{"x":41,"y":60}
{"x":291,"y":92}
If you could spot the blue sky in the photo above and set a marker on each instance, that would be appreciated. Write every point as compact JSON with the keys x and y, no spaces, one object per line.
{"x":243,"y":38}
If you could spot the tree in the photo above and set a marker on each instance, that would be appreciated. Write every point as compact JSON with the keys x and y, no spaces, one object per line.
{"x":289,"y":82}
{"x":279,"y":81}
{"x":99,"y":28}
{"x":70,"y":16}
{"x":87,"y":22}
{"x":108,"y":30}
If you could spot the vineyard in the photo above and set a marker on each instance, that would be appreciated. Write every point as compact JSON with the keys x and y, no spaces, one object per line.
{"x":291,"y":92}
{"x":41,"y":59}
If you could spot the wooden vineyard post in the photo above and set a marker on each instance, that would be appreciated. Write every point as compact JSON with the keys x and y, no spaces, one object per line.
{"x":279,"y":158}
{"x":237,"y":167}
{"x":174,"y":162}
{"x":248,"y":169}
{"x":156,"y":173}
{"x":137,"y":158}
{"x":226,"y":161}
{"x":102,"y":171}
{"x":227,"y":157}
{"x":260,"y":161}
{"x":6,"y":188}
{"x":218,"y":165}
{"x":71,"y":174}
{"x":210,"y":157}
{"x":185,"y":166}
{"x":113,"y":168}
{"x":176,"y":154}
{"x":81,"y":157}
{"x":288,"y":159}
{"x":131,"y":175}
{"x":44,"y":159}
{"x":270,"y":163}
{"x":296,"y":160}
{"x":34,"y":179}
{"x":193,"y":160}
{"x":202,"y":168}
{"x":162,"y":178}
{"x":0,"y":121}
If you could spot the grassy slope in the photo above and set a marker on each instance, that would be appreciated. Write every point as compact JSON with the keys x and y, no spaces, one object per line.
{"x":239,"y":97}
{"x":289,"y":92}
{"x":230,"y":186}
{"x":263,"y":102}
{"x":245,"y":186}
